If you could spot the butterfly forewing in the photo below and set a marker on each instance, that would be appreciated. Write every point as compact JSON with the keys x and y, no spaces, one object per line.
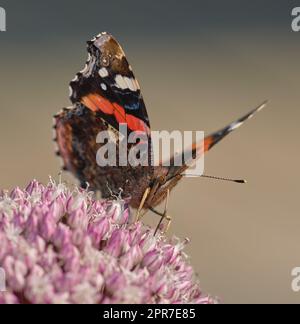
{"x":107,"y":85}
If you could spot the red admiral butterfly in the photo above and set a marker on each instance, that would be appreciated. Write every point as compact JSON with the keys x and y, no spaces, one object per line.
{"x":105,"y":94}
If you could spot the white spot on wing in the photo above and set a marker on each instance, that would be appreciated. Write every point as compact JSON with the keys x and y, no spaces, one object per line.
{"x":120,"y":82}
{"x":75,"y":79}
{"x":126,"y":83}
{"x":103,"y":86}
{"x":85,"y":69}
{"x":235,"y":126}
{"x":103,"y":72}
{"x":130,"y":83}
{"x":101,"y":34}
{"x":70,"y":91}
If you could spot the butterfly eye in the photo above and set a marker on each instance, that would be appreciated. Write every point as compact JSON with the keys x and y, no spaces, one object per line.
{"x":104,"y":60}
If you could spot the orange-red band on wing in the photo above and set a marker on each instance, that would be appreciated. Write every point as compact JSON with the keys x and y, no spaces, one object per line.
{"x":208,"y":141}
{"x":96,"y":102}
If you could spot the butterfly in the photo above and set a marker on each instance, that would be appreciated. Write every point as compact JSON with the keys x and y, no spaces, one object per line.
{"x":104,"y":95}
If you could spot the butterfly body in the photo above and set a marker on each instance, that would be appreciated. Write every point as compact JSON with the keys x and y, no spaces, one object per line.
{"x":104,"y":95}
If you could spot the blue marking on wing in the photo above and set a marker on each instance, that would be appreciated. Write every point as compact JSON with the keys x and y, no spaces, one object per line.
{"x":133,"y":106}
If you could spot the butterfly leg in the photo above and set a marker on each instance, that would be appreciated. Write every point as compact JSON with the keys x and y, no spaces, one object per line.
{"x":163,"y":215}
{"x":145,"y":196}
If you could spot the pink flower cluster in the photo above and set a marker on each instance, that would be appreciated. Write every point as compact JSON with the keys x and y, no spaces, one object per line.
{"x":60,"y":245}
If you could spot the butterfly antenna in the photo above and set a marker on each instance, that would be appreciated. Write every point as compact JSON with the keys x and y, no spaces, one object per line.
{"x":225,"y":179}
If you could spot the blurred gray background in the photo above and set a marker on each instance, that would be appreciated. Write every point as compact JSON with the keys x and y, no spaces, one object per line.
{"x":201,"y":64}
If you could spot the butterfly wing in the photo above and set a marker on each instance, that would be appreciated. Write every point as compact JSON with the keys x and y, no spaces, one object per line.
{"x":174,"y":173}
{"x":198,"y":149}
{"x":108,"y":86}
{"x":104,"y":94}
{"x":76,"y":131}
